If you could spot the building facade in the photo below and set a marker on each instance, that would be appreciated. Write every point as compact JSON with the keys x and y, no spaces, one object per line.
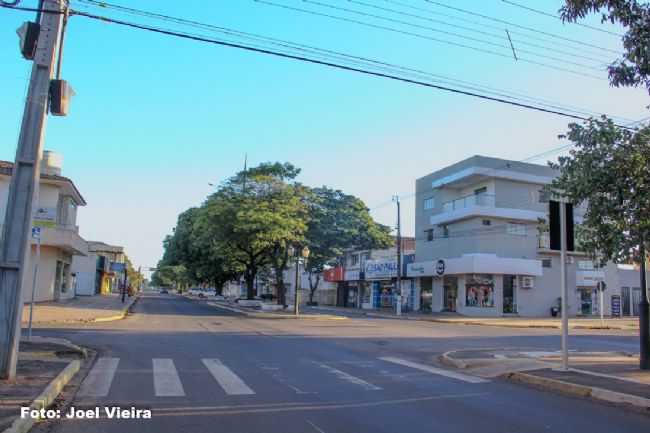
{"x":482,"y":245}
{"x":95,"y":273}
{"x":56,"y":214}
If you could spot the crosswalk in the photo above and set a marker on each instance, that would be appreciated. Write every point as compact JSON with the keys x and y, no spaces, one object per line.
{"x":167,"y":381}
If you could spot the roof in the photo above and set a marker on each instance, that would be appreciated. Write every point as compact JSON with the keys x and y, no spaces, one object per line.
{"x":6,"y":168}
{"x":103,"y":247}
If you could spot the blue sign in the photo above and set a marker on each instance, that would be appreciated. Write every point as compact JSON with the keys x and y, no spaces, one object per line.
{"x":118,"y":267}
{"x":616,"y":305}
{"x":36,"y":232}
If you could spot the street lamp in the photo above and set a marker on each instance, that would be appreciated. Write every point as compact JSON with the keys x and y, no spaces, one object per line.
{"x":305,"y":255}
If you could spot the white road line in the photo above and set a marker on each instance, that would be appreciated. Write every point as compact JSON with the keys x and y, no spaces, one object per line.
{"x":99,"y":379}
{"x":349,"y":378}
{"x":229,"y":381}
{"x":434,"y":370}
{"x":166,"y":382}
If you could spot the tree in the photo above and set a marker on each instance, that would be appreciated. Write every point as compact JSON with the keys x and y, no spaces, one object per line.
{"x":338,"y":222}
{"x":255,"y":215}
{"x":608,"y":171}
{"x":633,"y":69}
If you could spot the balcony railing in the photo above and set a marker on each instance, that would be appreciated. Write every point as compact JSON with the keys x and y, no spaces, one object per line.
{"x":482,"y":200}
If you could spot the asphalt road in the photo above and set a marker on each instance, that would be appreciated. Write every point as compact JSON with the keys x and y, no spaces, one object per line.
{"x":201,"y":369}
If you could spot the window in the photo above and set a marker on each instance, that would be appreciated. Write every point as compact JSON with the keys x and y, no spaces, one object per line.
{"x":429,"y":235}
{"x":547,"y":263}
{"x":487,"y":222}
{"x":479,"y":291}
{"x":544,"y":196}
{"x":516,"y":229}
{"x":428,"y":203}
{"x":354,"y":259}
{"x":445,"y":231}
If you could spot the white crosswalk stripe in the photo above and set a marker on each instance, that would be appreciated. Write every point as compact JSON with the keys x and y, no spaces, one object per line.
{"x":166,"y":382}
{"x":434,"y":370}
{"x":229,"y":381}
{"x":349,"y":378}
{"x":98,"y":382}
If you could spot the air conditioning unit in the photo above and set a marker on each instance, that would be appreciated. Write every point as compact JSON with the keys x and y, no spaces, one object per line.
{"x":527,"y":282}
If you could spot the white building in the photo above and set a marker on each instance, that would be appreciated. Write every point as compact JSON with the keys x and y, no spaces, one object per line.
{"x":482,"y":246}
{"x":94,"y":273}
{"x":56,"y":211}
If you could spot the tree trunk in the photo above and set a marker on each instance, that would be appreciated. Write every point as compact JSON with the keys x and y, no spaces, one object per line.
{"x":313,"y":287}
{"x":249,"y":277}
{"x":281,"y":289}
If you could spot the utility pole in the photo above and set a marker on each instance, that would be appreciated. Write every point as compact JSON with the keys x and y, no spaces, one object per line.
{"x":565,"y":291}
{"x":16,"y":249}
{"x":644,"y":314}
{"x":398,"y":285}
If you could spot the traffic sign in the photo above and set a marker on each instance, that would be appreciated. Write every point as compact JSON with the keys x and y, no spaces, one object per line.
{"x":36,"y":233}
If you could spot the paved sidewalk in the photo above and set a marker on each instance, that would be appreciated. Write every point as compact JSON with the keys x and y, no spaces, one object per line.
{"x":509,"y":322}
{"x":613,"y":377}
{"x":80,"y":309}
{"x":281,"y":314}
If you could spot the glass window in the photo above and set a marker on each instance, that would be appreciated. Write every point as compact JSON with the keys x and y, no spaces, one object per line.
{"x":429,"y":235}
{"x":445,"y":231}
{"x":354,"y":259}
{"x":487,"y":222}
{"x":516,"y":229}
{"x":547,"y":263}
{"x":428,"y":203}
{"x":479,"y":291}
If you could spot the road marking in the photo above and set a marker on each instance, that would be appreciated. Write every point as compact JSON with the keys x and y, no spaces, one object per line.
{"x":166,"y":382}
{"x":434,"y":370}
{"x":349,"y":378}
{"x":229,"y":381}
{"x":99,"y":379}
{"x":318,"y":429}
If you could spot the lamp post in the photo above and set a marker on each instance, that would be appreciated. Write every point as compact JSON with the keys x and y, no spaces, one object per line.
{"x":305,"y":255}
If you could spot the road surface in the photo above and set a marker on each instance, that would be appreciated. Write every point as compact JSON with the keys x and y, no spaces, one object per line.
{"x":202,"y":369}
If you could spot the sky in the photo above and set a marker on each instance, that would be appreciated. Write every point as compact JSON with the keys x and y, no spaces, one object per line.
{"x":156,"y":119}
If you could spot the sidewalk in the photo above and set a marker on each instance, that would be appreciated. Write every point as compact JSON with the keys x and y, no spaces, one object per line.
{"x":613,"y":377}
{"x":282,"y":314}
{"x":80,"y":309}
{"x":44,"y":367}
{"x":509,"y":322}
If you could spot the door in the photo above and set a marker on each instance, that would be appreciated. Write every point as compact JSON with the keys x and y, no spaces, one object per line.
{"x":426,"y":293}
{"x":450,"y":292}
{"x":58,"y":277}
{"x":625,"y":300}
{"x":636,"y":298}
{"x":509,"y":294}
{"x":585,"y":302}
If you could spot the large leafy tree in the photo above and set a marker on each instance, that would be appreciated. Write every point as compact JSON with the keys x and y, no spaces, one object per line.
{"x":633,"y":68}
{"x":255,"y":215}
{"x":338,"y":222}
{"x":608,"y":171}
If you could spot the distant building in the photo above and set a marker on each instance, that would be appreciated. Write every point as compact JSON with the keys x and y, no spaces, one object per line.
{"x":94,"y":273}
{"x":56,"y":213}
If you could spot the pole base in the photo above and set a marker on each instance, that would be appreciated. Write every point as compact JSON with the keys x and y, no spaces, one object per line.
{"x":644,"y":336}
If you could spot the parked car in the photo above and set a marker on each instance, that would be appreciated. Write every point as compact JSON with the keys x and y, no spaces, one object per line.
{"x":164,"y":291}
{"x":194,"y":291}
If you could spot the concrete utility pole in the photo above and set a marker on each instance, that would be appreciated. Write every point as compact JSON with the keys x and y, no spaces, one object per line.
{"x":398,"y":286}
{"x":565,"y":291}
{"x":15,"y":250}
{"x":644,"y":314}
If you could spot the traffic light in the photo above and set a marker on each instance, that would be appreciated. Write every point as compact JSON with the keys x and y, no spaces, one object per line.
{"x":60,"y":95}
{"x":28,"y":34}
{"x":554,"y":225}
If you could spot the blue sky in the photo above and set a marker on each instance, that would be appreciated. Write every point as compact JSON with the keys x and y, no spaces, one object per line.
{"x":157,"y":118}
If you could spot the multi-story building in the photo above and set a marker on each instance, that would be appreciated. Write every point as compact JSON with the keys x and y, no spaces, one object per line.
{"x":95,"y":273}
{"x":367,"y":278}
{"x":56,"y":213}
{"x":483,"y":247}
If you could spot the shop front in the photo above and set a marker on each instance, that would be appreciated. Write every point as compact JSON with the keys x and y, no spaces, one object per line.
{"x":475,"y":284}
{"x":381,"y":277}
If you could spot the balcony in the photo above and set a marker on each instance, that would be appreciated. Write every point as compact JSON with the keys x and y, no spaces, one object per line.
{"x":65,"y":237}
{"x":480,"y":205}
{"x":483,"y":200}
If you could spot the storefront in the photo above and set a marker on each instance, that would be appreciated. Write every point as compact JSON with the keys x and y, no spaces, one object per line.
{"x":381,"y":276}
{"x":475,"y":284}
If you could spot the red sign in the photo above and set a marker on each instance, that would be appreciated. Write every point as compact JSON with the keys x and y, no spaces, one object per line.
{"x":333,"y":274}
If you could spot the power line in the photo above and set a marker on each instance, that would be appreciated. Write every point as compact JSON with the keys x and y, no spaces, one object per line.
{"x":327,"y":53}
{"x":421,"y":36}
{"x":457,"y":35}
{"x":479,"y":23}
{"x":498,"y":20}
{"x":324,"y":63}
{"x":539,"y":12}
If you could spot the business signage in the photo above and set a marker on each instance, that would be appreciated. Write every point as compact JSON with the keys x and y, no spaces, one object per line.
{"x":616,"y":305}
{"x":44,"y":217}
{"x":381,"y":269}
{"x":352,"y":275}
{"x":117,"y":267}
{"x":333,"y":274}
{"x":440,"y":267}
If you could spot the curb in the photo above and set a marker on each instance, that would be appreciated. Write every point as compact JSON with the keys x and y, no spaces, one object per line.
{"x":276,"y":316}
{"x":61,"y":341}
{"x":112,"y":318}
{"x":23,"y":425}
{"x":449,"y":361}
{"x":580,"y":390}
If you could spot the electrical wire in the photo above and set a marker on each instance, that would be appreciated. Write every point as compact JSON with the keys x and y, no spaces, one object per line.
{"x":539,"y":12}
{"x":354,"y":59}
{"x":506,"y":55}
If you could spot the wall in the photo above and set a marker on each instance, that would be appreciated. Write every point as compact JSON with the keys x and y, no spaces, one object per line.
{"x":86,"y":269}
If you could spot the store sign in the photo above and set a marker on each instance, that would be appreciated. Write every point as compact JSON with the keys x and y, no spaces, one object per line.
{"x":616,"y":305}
{"x":589,"y":278}
{"x":352,"y":275}
{"x":440,"y":267}
{"x":45,"y":217}
{"x":381,"y":269}
{"x":117,"y":267}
